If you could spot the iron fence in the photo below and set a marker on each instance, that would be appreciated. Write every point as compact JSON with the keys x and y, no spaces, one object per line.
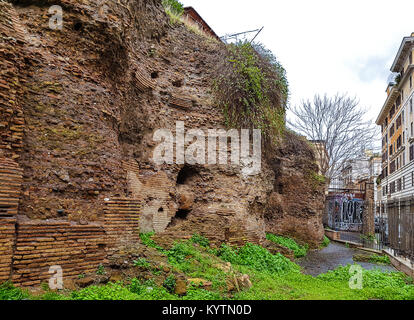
{"x":400,"y":217}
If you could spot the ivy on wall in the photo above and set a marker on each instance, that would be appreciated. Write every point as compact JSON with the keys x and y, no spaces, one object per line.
{"x":251,"y":88}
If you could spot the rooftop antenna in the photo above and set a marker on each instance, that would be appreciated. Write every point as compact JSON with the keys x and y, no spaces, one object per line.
{"x":236,"y":37}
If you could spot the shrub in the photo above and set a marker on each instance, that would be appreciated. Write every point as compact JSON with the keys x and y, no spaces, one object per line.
{"x":146,"y":239}
{"x":258,"y":258}
{"x":325,"y":242}
{"x":141,"y":262}
{"x":179,"y":253}
{"x":101,"y":270}
{"x":298,"y":250}
{"x":375,"y":258}
{"x":202,"y":241}
{"x":112,"y":291}
{"x":169,"y":283}
{"x":252,"y":90}
{"x":174,"y":6}
{"x":149,"y":291}
{"x":9,"y":292}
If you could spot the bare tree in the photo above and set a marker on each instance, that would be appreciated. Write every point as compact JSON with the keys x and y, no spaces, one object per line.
{"x":339,"y":123}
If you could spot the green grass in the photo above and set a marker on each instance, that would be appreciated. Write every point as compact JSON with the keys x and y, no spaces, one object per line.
{"x":258,"y":258}
{"x":298,"y":250}
{"x":9,"y":292}
{"x":274,"y":277}
{"x":141,"y":262}
{"x":326,"y":242}
{"x":375,"y":258}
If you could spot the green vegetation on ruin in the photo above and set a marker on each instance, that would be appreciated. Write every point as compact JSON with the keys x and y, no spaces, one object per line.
{"x":325,"y":242}
{"x":173,"y":7}
{"x":251,"y":88}
{"x":298,"y":250}
{"x":274,"y":277}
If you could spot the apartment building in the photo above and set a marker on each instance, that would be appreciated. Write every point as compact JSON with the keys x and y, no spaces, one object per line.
{"x":397,"y":123}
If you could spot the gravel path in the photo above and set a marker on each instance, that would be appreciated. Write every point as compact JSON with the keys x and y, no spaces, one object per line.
{"x":333,"y":256}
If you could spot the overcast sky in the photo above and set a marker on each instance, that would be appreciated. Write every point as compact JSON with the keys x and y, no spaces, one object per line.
{"x":325,"y":46}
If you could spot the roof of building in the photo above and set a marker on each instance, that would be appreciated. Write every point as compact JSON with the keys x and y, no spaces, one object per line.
{"x":191,"y":12}
{"x":405,"y":46}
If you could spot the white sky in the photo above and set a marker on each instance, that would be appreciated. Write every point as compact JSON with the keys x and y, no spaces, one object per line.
{"x":325,"y":46}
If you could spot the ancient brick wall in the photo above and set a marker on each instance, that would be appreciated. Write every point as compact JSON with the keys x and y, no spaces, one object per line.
{"x":28,"y":248}
{"x":154,"y":191}
{"x":7,"y":238}
{"x":11,"y":114}
{"x":121,"y":222}
{"x":10,"y":186}
{"x":39,"y":245}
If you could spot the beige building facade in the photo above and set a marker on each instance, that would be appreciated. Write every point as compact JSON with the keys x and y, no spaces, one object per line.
{"x":397,"y":123}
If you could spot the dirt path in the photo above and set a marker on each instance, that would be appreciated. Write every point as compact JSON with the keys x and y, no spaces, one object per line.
{"x":333,"y":256}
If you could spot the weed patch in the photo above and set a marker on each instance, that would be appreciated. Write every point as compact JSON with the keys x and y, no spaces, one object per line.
{"x":298,"y":250}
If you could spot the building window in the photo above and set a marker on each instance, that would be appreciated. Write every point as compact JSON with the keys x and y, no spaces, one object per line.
{"x":399,"y":122}
{"x":412,"y":129}
{"x":411,"y":153}
{"x":399,"y":185}
{"x":392,"y":167}
{"x":392,"y":187}
{"x":392,"y":112}
{"x":392,"y":130}
{"x":399,"y":142}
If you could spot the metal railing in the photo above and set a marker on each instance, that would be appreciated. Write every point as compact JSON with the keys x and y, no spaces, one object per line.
{"x":400,"y":214}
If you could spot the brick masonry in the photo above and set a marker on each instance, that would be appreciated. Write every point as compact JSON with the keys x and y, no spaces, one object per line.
{"x":28,"y":248}
{"x":10,"y":186}
{"x":77,"y":249}
{"x":7,"y":238}
{"x":11,"y":113}
{"x":121,"y":222}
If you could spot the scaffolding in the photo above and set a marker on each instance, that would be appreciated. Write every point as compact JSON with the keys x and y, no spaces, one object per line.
{"x":241,"y":36}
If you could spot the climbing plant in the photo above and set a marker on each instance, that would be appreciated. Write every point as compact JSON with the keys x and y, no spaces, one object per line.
{"x":251,"y":88}
{"x":174,"y":6}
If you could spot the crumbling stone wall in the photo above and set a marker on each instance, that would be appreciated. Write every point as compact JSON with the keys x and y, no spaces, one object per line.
{"x":296,"y":205}
{"x":7,"y":238}
{"x":11,"y":63}
{"x":78,"y":110}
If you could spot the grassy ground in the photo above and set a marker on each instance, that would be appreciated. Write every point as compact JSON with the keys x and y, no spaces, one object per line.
{"x":274,"y":277}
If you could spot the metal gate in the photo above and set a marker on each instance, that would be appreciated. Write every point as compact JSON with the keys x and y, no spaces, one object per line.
{"x":344,"y":210}
{"x":349,"y":212}
{"x":398,"y":233}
